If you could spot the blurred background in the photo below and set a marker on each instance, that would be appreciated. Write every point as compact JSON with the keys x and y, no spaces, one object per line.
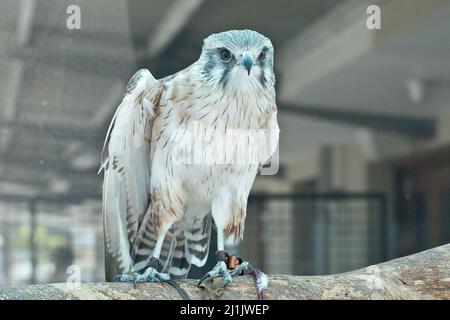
{"x":364,"y":115}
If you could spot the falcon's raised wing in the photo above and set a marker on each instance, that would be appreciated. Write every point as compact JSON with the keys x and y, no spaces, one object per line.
{"x":126,"y":162}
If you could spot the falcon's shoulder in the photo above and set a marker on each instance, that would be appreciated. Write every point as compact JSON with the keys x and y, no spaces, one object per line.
{"x":139,"y":103}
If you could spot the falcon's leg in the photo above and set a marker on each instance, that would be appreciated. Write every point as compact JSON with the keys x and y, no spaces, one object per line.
{"x":229,"y":266}
{"x":152,"y":273}
{"x":223,"y":267}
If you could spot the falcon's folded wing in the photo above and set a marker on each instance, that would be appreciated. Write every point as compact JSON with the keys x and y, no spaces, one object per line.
{"x":126,"y":162}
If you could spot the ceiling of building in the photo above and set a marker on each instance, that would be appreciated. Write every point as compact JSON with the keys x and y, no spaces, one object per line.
{"x":60,"y":87}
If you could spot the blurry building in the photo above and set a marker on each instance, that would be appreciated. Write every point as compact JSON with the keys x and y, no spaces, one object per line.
{"x":364,"y":116}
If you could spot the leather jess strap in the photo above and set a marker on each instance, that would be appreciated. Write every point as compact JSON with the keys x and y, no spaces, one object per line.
{"x":231,"y":261}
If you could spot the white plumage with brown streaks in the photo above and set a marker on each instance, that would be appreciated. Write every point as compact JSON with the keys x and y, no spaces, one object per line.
{"x":180,"y":153}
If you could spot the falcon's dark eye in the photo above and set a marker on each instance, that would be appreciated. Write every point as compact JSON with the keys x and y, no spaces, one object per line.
{"x":225,"y":55}
{"x":262,"y":55}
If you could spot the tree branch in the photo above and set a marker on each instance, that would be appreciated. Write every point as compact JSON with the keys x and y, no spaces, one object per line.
{"x":425,"y":275}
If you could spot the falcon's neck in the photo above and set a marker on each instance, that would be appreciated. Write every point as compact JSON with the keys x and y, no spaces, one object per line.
{"x":243,"y":105}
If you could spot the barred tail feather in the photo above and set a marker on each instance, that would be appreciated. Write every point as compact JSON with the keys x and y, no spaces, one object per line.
{"x":179,"y":266}
{"x":186,"y":243}
{"x":197,"y":241}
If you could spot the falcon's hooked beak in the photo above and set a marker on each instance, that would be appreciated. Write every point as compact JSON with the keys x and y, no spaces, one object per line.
{"x":247,"y":61}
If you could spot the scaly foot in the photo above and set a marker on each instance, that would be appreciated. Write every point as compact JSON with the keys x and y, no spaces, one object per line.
{"x":150,"y":275}
{"x":221,"y":270}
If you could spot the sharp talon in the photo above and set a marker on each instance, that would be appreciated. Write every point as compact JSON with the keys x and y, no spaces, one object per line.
{"x":223,"y":284}
{"x":158,"y":277}
{"x":219,"y":270}
{"x":206,"y":276}
{"x":117,"y":278}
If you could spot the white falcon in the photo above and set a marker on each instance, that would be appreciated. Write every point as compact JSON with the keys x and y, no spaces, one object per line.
{"x":157,"y":209}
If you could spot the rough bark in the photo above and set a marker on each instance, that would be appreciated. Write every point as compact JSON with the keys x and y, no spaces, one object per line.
{"x":425,"y":275}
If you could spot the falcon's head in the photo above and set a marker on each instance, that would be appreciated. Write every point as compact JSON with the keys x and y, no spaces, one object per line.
{"x":238,"y":58}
